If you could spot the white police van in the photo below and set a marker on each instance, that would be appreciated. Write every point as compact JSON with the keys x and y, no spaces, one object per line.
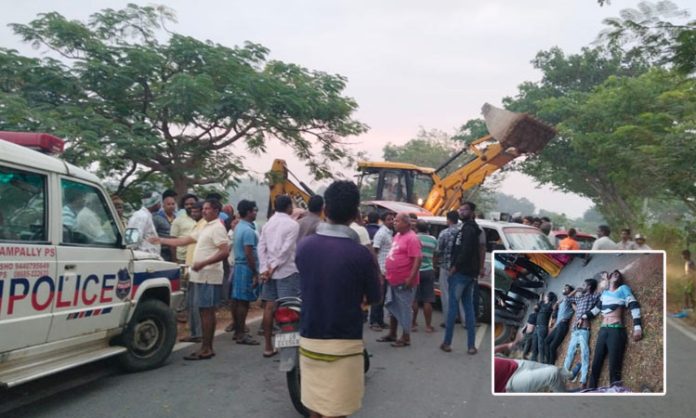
{"x":72,"y":289}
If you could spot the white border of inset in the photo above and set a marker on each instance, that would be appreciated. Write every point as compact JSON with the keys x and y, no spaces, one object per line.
{"x":582,"y":395}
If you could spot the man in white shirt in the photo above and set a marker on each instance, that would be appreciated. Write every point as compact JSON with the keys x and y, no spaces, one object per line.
{"x":640,"y":243}
{"x":361,"y":231}
{"x":212,"y":246}
{"x":381,"y":245}
{"x":142,"y":221}
{"x":91,"y":225}
{"x":626,"y":244}
{"x":279,"y":274}
{"x":603,"y":242}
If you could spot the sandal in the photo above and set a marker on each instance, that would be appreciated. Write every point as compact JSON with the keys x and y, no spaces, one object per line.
{"x":271,"y":354}
{"x":429,"y":329}
{"x":386,"y":339}
{"x":196,"y":356}
{"x":190,"y":339}
{"x":230,"y":328}
{"x":247,"y":340}
{"x":401,"y":343}
{"x":376,"y":328}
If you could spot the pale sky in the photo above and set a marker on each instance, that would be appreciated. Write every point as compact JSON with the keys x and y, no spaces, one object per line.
{"x":409,"y":63}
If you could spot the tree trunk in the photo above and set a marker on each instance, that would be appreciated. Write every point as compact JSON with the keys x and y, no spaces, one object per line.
{"x":181,"y":183}
{"x":614,"y":207}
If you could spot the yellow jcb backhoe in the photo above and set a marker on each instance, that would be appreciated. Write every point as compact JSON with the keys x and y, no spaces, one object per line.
{"x":510,"y":135}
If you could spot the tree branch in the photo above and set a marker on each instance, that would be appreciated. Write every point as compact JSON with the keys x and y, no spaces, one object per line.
{"x":130,"y":172}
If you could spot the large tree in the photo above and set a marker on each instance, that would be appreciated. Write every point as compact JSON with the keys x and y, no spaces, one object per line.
{"x":617,"y":136}
{"x":136,"y":101}
{"x":645,"y":32}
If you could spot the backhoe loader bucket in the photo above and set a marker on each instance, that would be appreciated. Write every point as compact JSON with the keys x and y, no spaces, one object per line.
{"x":517,"y":130}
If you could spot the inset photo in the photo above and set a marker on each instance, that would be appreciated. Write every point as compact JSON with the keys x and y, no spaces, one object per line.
{"x":579,"y":322}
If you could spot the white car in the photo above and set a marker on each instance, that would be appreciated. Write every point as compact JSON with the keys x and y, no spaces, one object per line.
{"x":499,"y":236}
{"x":72,"y":289}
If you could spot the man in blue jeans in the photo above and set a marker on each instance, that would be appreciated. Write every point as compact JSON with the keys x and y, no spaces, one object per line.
{"x":561,"y":318}
{"x":581,"y":330}
{"x":465,"y":269}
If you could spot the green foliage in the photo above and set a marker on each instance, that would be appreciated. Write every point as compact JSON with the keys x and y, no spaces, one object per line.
{"x":427,"y":149}
{"x":670,"y":238}
{"x":643,"y":33}
{"x":512,"y":205}
{"x":615,"y":121}
{"x":473,"y":129}
{"x":593,"y":216}
{"x":139,"y":101}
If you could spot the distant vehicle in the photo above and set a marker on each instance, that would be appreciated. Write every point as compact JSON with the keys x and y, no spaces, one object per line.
{"x":585,"y":240}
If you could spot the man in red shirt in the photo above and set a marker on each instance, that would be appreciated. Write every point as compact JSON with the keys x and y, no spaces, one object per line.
{"x":524,"y":376}
{"x":402,"y":273}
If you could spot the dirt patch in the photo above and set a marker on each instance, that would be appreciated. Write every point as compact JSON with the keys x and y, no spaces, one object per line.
{"x":224,"y":318}
{"x":643,"y":366}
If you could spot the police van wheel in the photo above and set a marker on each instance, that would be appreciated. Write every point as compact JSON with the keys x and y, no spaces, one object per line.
{"x":149,"y":337}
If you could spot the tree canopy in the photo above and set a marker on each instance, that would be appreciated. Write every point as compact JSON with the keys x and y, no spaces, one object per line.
{"x":138,"y":101}
{"x":624,"y":112}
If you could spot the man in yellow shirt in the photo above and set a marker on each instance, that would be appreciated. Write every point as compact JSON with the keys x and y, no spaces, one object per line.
{"x":212,"y":246}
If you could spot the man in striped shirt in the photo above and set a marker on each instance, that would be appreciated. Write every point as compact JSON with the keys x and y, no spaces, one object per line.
{"x":581,"y":329}
{"x":444,"y":255}
{"x":425,"y":292}
{"x":611,"y":340}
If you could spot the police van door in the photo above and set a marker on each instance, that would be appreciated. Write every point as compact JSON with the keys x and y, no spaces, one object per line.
{"x":27,"y":259}
{"x":89,"y":264}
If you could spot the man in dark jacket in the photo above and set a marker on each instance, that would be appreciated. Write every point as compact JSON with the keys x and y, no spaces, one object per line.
{"x":466,"y":267}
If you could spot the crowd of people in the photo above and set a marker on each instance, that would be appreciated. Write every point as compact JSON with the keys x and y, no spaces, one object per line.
{"x":339,"y":262}
{"x":294,"y":253}
{"x":550,"y":322}
{"x":627,"y":242}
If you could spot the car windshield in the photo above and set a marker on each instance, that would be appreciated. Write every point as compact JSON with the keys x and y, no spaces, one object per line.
{"x":527,"y":239}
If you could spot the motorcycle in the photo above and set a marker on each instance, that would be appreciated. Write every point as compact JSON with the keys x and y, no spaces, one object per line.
{"x":287,"y":342}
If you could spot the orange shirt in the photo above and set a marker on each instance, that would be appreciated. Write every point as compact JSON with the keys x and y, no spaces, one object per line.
{"x":568,"y":244}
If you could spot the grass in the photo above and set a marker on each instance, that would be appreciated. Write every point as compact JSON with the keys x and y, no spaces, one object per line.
{"x":675,"y":292}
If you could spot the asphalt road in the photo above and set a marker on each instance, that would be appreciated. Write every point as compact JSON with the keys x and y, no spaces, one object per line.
{"x":417,"y":381}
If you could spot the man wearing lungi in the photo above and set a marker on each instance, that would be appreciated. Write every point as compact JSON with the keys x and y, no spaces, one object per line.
{"x":336,"y":275}
{"x":402,"y":268}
